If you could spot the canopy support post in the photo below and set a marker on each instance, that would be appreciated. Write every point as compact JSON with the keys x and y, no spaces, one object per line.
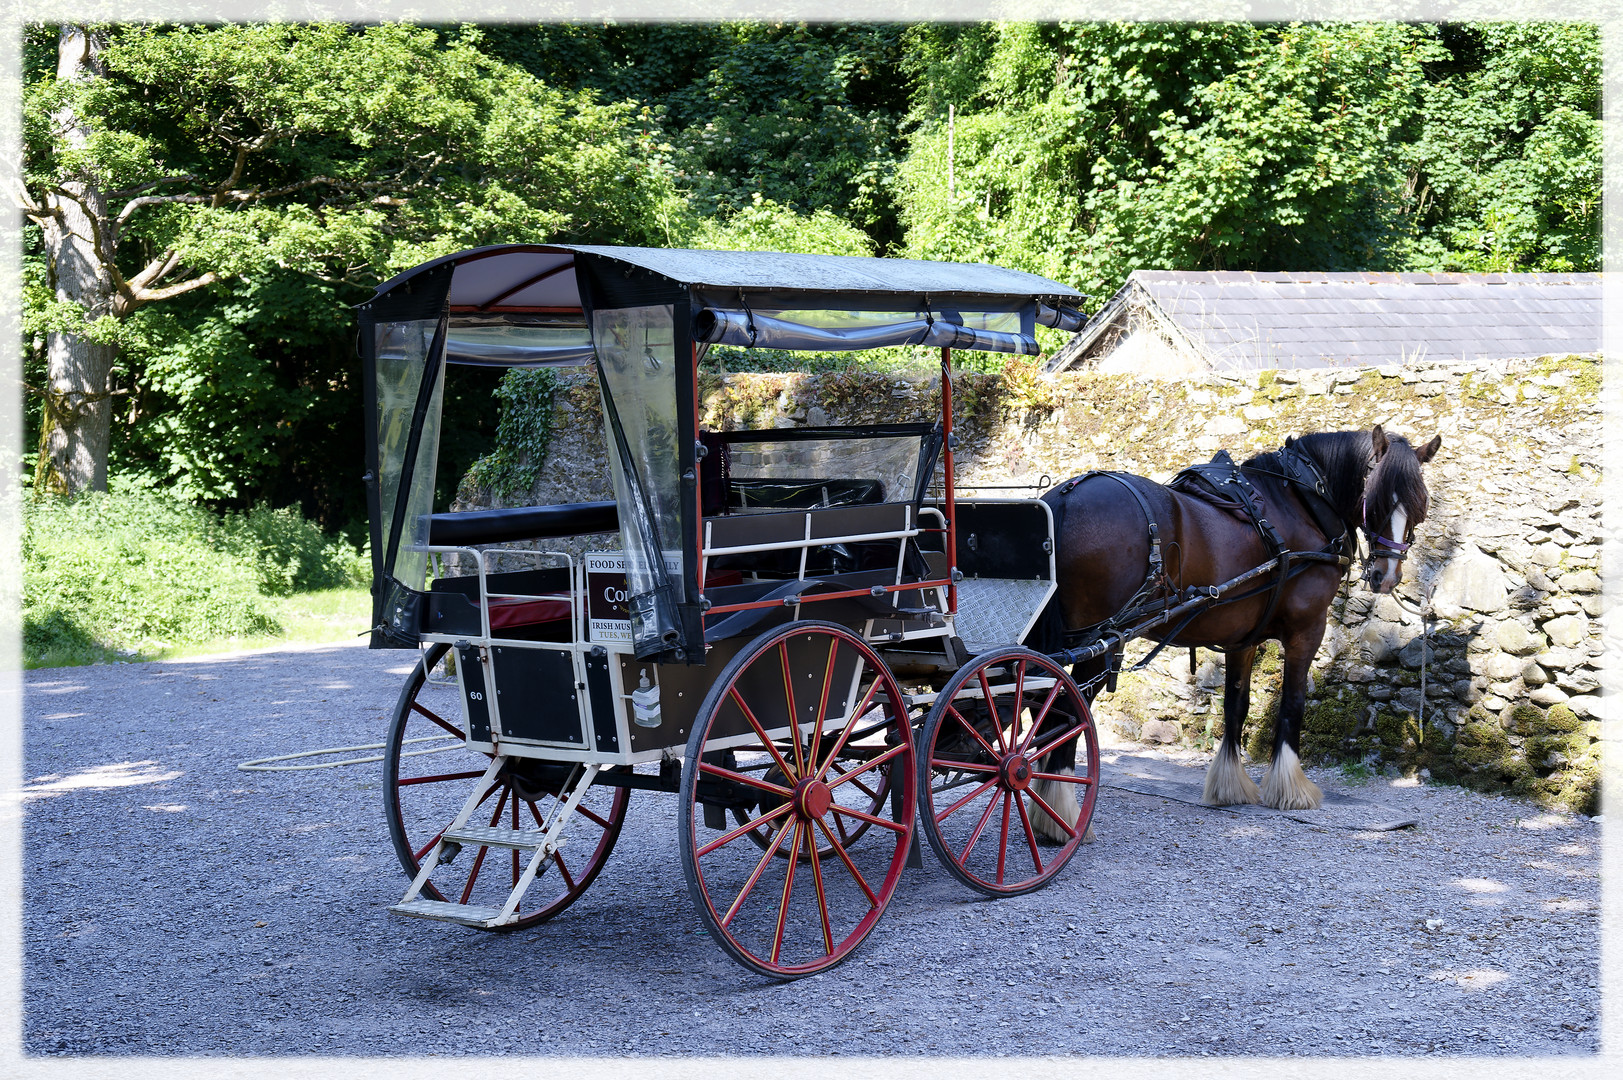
{"x":951,"y":503}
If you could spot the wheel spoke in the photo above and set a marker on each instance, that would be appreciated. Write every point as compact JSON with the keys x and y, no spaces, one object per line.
{"x":1019,"y":697}
{"x":1031,"y":834}
{"x":971,"y":729}
{"x":514,"y":851}
{"x":894,"y":826}
{"x":851,"y":867}
{"x":452,"y":728}
{"x":1062,"y":778}
{"x":418,"y":855}
{"x":961,"y":766}
{"x":955,"y":807}
{"x":1042,"y":713}
{"x":868,"y":766}
{"x":858,"y":784}
{"x":1003,"y":840}
{"x":822,"y":704}
{"x":850,"y":726}
{"x":794,"y":719}
{"x":716,"y":770}
{"x":558,"y":861}
{"x":980,"y":827}
{"x":1042,"y":804}
{"x":1069,"y":733}
{"x":760,"y":732}
{"x":991,"y":709}
{"x":590,"y":815}
{"x":788,"y":885}
{"x":440,"y":778}
{"x":760,"y":868}
{"x":822,"y":898}
{"x":747,"y":827}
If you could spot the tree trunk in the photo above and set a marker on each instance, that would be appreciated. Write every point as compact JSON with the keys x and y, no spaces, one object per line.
{"x":77,"y":421}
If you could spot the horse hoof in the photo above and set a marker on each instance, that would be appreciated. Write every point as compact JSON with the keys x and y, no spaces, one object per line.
{"x":1286,"y":787}
{"x":1227,"y":784}
{"x":1088,"y":837}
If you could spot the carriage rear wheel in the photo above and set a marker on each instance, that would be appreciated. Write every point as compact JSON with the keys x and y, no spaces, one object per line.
{"x":1008,"y":772}
{"x":808,"y":900}
{"x":428,"y":774}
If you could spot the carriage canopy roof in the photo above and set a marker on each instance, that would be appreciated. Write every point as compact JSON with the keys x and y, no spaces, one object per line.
{"x":530,"y":304}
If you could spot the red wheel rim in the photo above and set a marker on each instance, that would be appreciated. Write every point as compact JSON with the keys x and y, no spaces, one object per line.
{"x":423,"y":791}
{"x":999,"y":787}
{"x":808,"y":900}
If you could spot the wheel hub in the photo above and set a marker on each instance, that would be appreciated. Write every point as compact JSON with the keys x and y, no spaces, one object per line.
{"x":1015,"y":772}
{"x":812,"y":799}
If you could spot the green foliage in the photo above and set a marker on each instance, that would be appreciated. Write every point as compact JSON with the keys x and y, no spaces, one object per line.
{"x":763,"y":225}
{"x":134,"y":570}
{"x":1506,"y":172}
{"x":291,"y":553}
{"x":807,"y":116}
{"x":523,"y":434}
{"x":293,"y":166}
{"x":129,"y":570}
{"x":1086,"y":151}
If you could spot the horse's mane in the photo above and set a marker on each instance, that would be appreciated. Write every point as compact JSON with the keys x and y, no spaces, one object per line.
{"x":1344,"y":458}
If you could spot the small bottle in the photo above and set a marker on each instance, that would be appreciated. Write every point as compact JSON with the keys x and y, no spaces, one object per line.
{"x":645,"y":703}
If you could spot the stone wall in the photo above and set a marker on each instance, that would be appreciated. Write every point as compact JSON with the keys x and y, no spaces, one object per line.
{"x":1502,"y":588}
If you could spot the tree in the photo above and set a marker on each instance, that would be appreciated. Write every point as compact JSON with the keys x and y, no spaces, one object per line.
{"x":164,"y":162}
{"x":1086,"y":151}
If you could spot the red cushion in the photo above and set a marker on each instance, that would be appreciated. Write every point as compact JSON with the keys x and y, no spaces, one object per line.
{"x":508,"y":613}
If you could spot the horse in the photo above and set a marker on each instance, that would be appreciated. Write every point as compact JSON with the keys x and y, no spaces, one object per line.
{"x":1314,"y":494}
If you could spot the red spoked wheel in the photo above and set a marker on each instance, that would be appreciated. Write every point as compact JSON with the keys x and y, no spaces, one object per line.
{"x":429,"y":772}
{"x":1006,"y":792}
{"x":808,"y":900}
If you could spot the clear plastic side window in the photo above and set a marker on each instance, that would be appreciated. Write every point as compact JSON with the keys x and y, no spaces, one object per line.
{"x":402,"y":361}
{"x":636,"y":354}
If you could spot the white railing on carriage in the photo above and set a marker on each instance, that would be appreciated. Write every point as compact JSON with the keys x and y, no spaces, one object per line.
{"x":577,"y":618}
{"x":804,"y":545}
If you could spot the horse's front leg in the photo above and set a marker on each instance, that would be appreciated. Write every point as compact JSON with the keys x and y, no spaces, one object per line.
{"x":1285,"y":786}
{"x":1226,"y":781}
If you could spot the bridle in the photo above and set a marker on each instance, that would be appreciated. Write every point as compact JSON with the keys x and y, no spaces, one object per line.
{"x":1381,"y":547}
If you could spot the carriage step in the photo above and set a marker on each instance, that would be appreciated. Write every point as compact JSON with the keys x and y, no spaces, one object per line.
{"x":466,"y":914}
{"x":488,"y":836}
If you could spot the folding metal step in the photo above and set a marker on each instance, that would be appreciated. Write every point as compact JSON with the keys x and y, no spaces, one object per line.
{"x":466,"y":914}
{"x":518,"y":839}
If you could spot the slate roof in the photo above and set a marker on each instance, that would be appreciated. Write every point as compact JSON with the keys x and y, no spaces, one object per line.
{"x":1240,"y":320}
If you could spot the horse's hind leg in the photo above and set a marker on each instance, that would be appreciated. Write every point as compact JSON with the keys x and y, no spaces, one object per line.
{"x":1056,"y":793}
{"x":1285,"y":786}
{"x":1226,"y":781}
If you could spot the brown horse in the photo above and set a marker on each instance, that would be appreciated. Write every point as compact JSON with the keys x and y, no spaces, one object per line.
{"x":1369,"y":481}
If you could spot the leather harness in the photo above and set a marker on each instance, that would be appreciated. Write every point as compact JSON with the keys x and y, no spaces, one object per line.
{"x":1222,"y":483}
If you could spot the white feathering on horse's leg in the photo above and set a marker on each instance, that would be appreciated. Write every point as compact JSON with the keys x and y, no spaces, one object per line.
{"x":1062,"y":797}
{"x":1286,"y":787}
{"x":1226,"y":781}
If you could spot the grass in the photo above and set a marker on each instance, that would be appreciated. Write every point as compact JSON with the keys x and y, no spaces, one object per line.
{"x":135,"y":574}
{"x":323,"y":617}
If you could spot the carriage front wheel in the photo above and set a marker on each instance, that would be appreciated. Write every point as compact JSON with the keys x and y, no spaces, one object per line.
{"x":798,"y":734}
{"x":429,"y":772}
{"x":1008,"y":772}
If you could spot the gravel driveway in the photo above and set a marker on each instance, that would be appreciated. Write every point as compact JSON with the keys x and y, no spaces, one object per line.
{"x":175,"y":905}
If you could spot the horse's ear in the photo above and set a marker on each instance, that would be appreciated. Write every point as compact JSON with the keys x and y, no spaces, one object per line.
{"x":1429,"y":451}
{"x":1377,"y":438}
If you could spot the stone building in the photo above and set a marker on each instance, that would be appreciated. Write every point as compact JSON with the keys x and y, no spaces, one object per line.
{"x":1167,"y":323}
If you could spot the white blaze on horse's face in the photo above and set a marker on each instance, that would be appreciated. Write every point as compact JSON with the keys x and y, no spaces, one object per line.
{"x":1391,"y":569}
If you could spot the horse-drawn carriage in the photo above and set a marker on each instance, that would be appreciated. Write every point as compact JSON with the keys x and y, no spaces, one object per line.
{"x":800,"y":631}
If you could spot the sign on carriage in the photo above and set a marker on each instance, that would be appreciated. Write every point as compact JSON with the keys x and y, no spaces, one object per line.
{"x":607,"y":618}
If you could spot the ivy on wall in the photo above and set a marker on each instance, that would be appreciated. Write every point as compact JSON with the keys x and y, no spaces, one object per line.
{"x":523,"y":434}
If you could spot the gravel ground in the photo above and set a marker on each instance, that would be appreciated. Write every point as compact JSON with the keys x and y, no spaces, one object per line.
{"x":175,"y":905}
